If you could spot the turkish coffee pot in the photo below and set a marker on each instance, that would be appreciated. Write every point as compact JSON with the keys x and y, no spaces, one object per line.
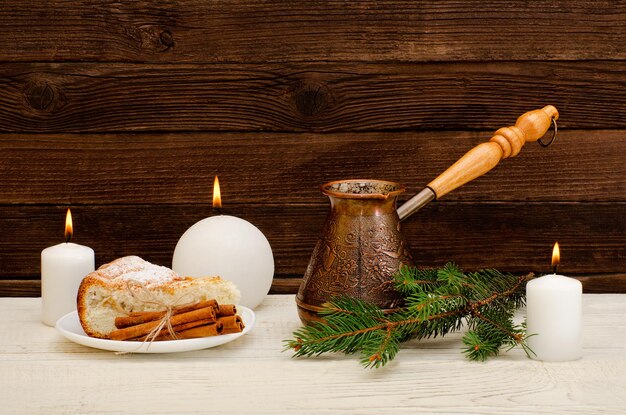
{"x":361,"y":245}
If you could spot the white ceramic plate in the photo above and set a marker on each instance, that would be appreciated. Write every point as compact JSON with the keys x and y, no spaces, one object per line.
{"x":69,"y":326}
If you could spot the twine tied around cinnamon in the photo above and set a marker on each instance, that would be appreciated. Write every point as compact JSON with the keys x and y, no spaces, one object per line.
{"x":164,"y":322}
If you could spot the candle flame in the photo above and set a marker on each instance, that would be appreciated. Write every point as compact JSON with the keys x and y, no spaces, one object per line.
{"x":217,"y":195}
{"x":69,"y":227}
{"x":556,"y":255}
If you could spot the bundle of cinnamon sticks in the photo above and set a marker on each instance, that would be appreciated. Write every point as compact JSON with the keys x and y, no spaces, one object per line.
{"x":203,"y":319}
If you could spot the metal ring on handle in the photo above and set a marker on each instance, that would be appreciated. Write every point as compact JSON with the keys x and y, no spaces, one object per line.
{"x":542,"y":144}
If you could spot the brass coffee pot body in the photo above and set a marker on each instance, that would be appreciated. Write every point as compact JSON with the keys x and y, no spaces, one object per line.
{"x":361,"y":246}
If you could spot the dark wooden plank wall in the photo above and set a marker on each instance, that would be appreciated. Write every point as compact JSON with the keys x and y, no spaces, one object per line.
{"x":126,"y":110}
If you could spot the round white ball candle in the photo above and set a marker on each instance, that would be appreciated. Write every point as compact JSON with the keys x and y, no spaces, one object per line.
{"x":554,"y":317}
{"x":231,"y":248}
{"x":63,"y":267}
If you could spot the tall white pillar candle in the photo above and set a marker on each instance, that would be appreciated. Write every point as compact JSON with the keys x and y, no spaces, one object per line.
{"x":63,"y":267}
{"x":554,"y":314}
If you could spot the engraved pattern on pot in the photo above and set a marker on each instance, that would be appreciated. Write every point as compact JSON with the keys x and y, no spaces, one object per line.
{"x":382,"y":253}
{"x":338,"y":273}
{"x":360,"y":248}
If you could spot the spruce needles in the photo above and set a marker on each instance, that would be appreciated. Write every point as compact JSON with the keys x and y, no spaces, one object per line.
{"x":436,"y":302}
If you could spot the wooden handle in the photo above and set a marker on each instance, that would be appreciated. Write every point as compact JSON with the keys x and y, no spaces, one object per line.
{"x":507,"y":142}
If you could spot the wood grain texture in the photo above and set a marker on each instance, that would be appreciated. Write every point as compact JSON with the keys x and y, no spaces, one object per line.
{"x":43,"y":373}
{"x":289,"y":168}
{"x":327,"y":97}
{"x":126,"y":110}
{"x":274,"y":31}
{"x":602,"y":283}
{"x":32,"y":288}
{"x":20,"y":288}
{"x":510,"y":237}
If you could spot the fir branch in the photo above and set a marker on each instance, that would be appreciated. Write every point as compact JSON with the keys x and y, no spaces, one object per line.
{"x":378,"y":353}
{"x":408,"y":279}
{"x":437,"y":301}
{"x":512,"y":333}
{"x":514,"y":289}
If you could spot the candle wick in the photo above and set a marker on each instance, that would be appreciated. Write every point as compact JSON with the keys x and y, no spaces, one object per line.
{"x":68,"y":238}
{"x":555,"y":268}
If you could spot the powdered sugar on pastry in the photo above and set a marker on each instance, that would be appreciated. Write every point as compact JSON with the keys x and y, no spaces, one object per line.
{"x":133,"y":268}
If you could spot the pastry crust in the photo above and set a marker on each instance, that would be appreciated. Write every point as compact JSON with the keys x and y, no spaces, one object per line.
{"x":130,"y":284}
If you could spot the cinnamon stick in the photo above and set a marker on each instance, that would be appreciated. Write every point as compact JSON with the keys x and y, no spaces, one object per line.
{"x":205,"y":313}
{"x":140,"y":317}
{"x":177,"y":329}
{"x":232,"y":324}
{"x":238,"y":329}
{"x":226,"y":310}
{"x":202,"y":331}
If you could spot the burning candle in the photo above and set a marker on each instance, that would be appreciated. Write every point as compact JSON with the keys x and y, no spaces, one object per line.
{"x":229,"y":247}
{"x":554,"y":313}
{"x":63,"y":267}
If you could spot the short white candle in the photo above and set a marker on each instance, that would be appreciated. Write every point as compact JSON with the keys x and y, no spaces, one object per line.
{"x":63,"y":267}
{"x":554,"y":314}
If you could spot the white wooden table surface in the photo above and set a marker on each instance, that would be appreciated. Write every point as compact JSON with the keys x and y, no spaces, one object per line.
{"x":42,"y":373}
